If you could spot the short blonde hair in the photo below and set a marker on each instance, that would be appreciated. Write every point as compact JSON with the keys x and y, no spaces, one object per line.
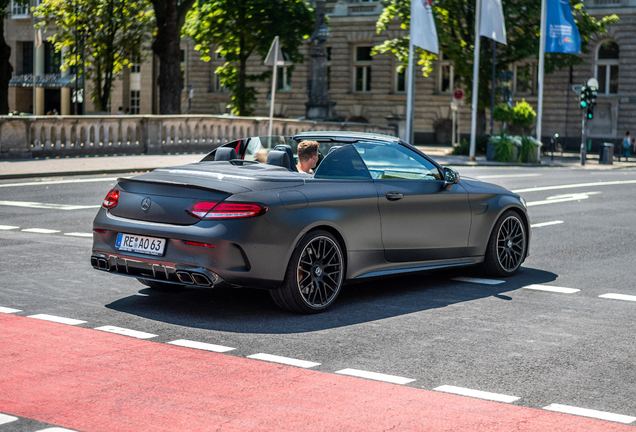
{"x":307,"y":149}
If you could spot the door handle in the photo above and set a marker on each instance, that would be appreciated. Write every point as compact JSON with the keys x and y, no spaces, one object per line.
{"x":394,"y":196}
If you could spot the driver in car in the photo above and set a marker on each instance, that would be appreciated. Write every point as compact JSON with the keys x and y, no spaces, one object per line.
{"x":307,"y":156}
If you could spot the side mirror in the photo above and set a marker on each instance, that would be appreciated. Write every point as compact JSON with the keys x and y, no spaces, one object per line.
{"x":451,"y":177}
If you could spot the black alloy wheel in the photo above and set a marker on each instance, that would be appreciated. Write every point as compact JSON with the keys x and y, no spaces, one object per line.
{"x":314,"y":275}
{"x":507,"y":246}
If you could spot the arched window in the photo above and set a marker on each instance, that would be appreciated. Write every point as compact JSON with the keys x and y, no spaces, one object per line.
{"x":607,"y":67}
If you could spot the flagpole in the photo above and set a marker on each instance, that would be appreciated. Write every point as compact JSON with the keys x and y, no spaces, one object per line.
{"x":410,"y":90}
{"x":473,"y":123}
{"x":541,"y":68}
{"x":271,"y":106}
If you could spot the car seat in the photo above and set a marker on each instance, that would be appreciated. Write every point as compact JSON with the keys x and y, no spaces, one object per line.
{"x":279,"y":158}
{"x":225,"y":154}
{"x":290,"y":154}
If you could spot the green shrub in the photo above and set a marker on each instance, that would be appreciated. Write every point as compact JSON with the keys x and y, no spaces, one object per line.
{"x":528,"y":148}
{"x":523,"y":114}
{"x":503,"y":113}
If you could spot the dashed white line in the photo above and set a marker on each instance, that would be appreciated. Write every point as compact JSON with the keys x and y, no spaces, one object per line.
{"x":601,"y":415}
{"x":562,"y":198}
{"x":576,"y":185}
{"x":8,"y":227}
{"x":283,"y":360}
{"x":477,"y":394}
{"x":47,"y":206}
{"x":544,"y":224}
{"x":9,"y":310}
{"x":4,"y":419}
{"x":41,"y":230}
{"x":126,"y":332}
{"x":50,"y":182}
{"x":618,"y":296}
{"x":375,"y":376}
{"x":57,"y":319}
{"x":201,"y":345}
{"x":79,"y":234}
{"x":507,"y":176}
{"x":551,"y":288}
{"x":56,"y":429}
{"x":479,"y":281}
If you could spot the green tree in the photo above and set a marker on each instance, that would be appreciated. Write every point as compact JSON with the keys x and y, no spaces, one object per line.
{"x":455,"y":23}
{"x":6,"y":70}
{"x":241,"y":28}
{"x":113,"y":32}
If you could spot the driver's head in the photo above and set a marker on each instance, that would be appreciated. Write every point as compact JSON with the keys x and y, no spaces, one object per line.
{"x":308,"y":150}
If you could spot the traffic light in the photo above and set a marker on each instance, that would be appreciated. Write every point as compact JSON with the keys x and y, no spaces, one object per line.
{"x":590,"y":112}
{"x":583,"y":97}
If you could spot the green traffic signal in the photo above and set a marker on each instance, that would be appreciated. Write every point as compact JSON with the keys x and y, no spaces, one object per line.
{"x":583,"y":104}
{"x":590,"y":113}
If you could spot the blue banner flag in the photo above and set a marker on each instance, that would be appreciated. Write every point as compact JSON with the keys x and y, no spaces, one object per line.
{"x":562,"y":35}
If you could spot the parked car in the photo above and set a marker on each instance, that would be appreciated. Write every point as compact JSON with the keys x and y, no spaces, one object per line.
{"x":244,"y":217}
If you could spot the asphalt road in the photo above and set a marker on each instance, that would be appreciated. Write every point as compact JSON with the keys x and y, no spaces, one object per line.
{"x":573,"y":348}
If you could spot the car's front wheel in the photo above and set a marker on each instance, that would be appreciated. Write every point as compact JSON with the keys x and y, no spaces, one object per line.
{"x":507,"y":246}
{"x":314,"y":276}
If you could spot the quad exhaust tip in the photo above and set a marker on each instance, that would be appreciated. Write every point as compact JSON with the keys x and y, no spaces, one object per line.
{"x":100,"y":263}
{"x":194,"y":278}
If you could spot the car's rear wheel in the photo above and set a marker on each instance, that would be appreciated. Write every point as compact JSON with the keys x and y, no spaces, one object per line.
{"x":163,"y":286}
{"x":507,"y":246}
{"x":314,"y":276}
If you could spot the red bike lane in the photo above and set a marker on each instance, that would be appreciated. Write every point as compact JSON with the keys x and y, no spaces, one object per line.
{"x":88,"y":380}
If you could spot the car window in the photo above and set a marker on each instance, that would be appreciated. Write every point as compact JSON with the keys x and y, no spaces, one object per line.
{"x":395,"y":161}
{"x":342,"y":163}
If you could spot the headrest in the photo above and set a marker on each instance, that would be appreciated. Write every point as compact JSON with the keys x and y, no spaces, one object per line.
{"x":290,"y":154}
{"x":280,"y":158}
{"x":225,"y":154}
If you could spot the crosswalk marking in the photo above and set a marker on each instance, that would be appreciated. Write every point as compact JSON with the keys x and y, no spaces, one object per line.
{"x":57,"y":319}
{"x":4,"y":419}
{"x":201,"y":345}
{"x":590,"y":413}
{"x":9,"y":310}
{"x":283,"y":360}
{"x":126,"y":332}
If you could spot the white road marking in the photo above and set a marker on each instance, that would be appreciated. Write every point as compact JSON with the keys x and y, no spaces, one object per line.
{"x":562,"y":198}
{"x":544,"y":224}
{"x":375,"y":376}
{"x":79,"y":234}
{"x":51,"y":182}
{"x":4,"y":419}
{"x":477,"y":394}
{"x":479,"y":281}
{"x":47,"y":205}
{"x":126,"y":332}
{"x":618,"y":296}
{"x":41,"y":230}
{"x":201,"y":345}
{"x":9,"y":310}
{"x":551,"y":288}
{"x":590,"y":413}
{"x":576,"y":185}
{"x":283,"y":360}
{"x":8,"y":227}
{"x":56,"y":429}
{"x":507,"y":176}
{"x":57,"y":319}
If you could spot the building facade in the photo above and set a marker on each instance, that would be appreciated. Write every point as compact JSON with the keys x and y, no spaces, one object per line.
{"x":365,"y":88}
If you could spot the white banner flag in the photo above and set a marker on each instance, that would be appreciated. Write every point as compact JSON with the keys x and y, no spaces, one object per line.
{"x":423,"y":32}
{"x":492,"y":21}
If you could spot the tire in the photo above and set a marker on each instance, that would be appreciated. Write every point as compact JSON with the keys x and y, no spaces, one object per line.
{"x":314,"y":275}
{"x":507,"y":246}
{"x":163,"y":286}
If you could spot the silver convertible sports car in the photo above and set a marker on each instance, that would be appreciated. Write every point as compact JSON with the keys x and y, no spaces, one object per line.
{"x":244,"y":216}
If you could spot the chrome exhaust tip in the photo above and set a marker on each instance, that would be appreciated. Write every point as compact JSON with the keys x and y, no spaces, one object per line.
{"x":185,"y":278}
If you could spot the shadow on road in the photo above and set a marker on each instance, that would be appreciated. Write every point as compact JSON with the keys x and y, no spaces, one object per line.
{"x":252,"y":311}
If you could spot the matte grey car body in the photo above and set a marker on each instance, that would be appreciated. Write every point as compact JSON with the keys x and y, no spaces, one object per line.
{"x":375,"y":206}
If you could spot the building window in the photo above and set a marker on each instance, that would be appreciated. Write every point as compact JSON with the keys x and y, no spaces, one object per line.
{"x":135,"y":101}
{"x":215,"y":81}
{"x":283,"y":79}
{"x":400,"y":81}
{"x":362,"y":69}
{"x":446,"y":79}
{"x":19,"y":10}
{"x":52,"y":60}
{"x":182,"y":59}
{"x":27,"y":57}
{"x":607,"y":57}
{"x":524,"y":78}
{"x":135,"y":66}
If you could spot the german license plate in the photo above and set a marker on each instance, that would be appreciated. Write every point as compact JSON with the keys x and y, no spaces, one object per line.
{"x":140,"y":244}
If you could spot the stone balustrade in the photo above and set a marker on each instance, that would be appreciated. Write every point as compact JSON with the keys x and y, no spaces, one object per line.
{"x":59,"y":136}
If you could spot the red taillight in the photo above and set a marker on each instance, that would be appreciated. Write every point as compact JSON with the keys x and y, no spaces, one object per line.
{"x":211,"y":210}
{"x":191,"y":243}
{"x":100,"y":231}
{"x":111,"y":199}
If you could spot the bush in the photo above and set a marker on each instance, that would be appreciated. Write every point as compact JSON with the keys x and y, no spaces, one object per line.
{"x":503,"y":113}
{"x":523,"y":114}
{"x":528,"y":149}
{"x":504,"y":147}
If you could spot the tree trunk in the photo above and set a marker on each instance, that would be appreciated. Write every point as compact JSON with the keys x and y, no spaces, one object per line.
{"x":166,"y":47}
{"x":5,"y":71}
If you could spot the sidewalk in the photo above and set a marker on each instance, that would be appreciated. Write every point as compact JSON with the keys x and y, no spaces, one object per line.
{"x":11,"y":169}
